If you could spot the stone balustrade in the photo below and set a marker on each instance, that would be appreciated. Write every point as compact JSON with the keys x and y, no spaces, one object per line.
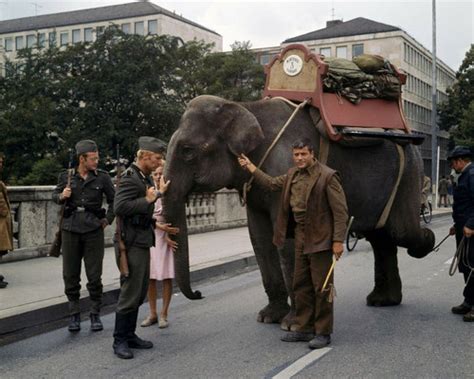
{"x":36,"y":217}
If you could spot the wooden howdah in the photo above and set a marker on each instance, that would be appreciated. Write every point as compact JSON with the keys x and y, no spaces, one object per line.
{"x":340,"y":116}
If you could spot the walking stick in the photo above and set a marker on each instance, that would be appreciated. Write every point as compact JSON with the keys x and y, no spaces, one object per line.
{"x":351,"y":219}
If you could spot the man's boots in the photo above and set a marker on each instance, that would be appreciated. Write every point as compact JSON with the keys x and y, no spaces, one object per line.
{"x":121,"y":348}
{"x":135,"y":342}
{"x":74,"y":323}
{"x":96,"y":324}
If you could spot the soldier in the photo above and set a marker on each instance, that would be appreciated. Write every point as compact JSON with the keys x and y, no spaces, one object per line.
{"x":83,"y":230}
{"x":463,"y":216}
{"x":134,"y":205}
{"x":6,"y":231}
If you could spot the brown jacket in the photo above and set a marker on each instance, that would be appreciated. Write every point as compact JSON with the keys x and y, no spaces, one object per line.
{"x":326,"y":208}
{"x":6,"y":230}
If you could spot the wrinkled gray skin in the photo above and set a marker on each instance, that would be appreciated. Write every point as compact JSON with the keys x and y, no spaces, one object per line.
{"x":202,"y":158}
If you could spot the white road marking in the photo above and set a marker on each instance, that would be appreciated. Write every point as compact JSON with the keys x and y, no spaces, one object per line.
{"x":448,"y":262}
{"x":302,"y":363}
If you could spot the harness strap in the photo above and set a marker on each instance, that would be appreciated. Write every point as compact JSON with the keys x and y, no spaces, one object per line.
{"x":388,"y":207}
{"x":248,"y":185}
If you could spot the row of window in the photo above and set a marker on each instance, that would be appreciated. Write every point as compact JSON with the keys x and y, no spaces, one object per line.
{"x":417,"y":113}
{"x":77,"y":35}
{"x":419,"y":87}
{"x":413,"y":57}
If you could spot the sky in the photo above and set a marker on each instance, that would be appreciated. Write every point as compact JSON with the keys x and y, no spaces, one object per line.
{"x":268,"y":23}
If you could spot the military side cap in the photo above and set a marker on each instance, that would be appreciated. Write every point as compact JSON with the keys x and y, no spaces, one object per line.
{"x":86,"y":146}
{"x":151,"y":144}
{"x":460,"y":152}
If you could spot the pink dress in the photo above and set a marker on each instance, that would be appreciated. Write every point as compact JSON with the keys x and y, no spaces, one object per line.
{"x":161,"y":255}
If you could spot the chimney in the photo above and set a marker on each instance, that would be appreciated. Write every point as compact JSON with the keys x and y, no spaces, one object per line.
{"x":332,"y":23}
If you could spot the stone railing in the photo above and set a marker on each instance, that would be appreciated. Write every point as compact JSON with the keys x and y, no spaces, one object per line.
{"x":36,"y":217}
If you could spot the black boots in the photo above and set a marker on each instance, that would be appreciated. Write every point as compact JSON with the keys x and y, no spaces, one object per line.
{"x":121,"y":348}
{"x":74,"y":323}
{"x":319,"y":341}
{"x":135,"y":342}
{"x":96,"y":324}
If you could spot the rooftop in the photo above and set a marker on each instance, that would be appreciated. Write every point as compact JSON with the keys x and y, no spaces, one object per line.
{"x":90,"y":15}
{"x":338,"y":28}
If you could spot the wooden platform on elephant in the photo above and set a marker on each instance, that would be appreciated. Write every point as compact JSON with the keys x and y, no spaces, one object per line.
{"x":297,"y":74}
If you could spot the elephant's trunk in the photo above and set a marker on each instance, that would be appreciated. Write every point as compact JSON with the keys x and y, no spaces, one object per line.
{"x":175,"y":213}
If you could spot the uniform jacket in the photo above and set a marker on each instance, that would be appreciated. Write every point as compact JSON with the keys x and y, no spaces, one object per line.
{"x":133,"y":209}
{"x":463,"y":206}
{"x":326,"y":209}
{"x":6,"y":226}
{"x":86,"y":195}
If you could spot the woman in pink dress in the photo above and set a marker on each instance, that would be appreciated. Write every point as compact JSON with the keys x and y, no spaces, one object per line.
{"x":161,"y":263}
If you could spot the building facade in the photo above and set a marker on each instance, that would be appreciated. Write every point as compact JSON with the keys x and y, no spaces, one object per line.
{"x":66,"y":28}
{"x":363,"y":36}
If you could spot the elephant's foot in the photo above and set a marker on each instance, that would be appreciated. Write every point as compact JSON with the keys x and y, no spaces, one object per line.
{"x":289,"y":321}
{"x":384,"y":297}
{"x":273,"y":313}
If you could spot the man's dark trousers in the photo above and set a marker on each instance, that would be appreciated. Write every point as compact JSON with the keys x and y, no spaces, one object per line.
{"x":90,"y":247}
{"x":468,"y":292}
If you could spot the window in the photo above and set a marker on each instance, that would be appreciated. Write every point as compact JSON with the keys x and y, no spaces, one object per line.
{"x":357,"y":49}
{"x":30,"y":41}
{"x":140,"y":28}
{"x":41,"y":40}
{"x":99,"y":30}
{"x":88,"y":35}
{"x":52,"y":39}
{"x":64,"y":38}
{"x":126,"y":28}
{"x":265,"y":59}
{"x":76,"y":35}
{"x":9,"y":44}
{"x":19,"y":43}
{"x":153,"y":27}
{"x":326,"y":51}
{"x":341,"y":51}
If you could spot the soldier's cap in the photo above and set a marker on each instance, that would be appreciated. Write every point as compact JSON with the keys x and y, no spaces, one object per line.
{"x":460,"y":152}
{"x":86,"y":146}
{"x":151,"y":144}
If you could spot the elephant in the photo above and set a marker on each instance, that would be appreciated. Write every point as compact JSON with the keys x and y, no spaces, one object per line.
{"x":202,"y":157}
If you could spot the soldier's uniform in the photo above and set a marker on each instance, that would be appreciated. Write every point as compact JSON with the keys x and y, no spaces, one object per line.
{"x":83,"y":233}
{"x":463,"y":215}
{"x":137,"y":231}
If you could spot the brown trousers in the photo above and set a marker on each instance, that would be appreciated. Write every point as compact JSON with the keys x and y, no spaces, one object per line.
{"x":314,"y":313}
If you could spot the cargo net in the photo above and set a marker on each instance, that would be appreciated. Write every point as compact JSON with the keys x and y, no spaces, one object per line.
{"x":365,"y":77}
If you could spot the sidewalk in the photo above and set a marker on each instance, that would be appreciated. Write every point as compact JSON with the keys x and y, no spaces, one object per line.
{"x":35,"y":294}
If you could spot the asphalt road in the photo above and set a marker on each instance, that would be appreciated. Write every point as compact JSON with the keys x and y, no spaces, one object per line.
{"x":218,"y":337}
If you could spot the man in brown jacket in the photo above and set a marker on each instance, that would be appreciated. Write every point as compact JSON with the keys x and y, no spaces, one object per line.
{"x":313,"y":206}
{"x":6,"y":231}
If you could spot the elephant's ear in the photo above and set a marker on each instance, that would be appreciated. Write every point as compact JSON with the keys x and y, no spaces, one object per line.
{"x":239,"y":128}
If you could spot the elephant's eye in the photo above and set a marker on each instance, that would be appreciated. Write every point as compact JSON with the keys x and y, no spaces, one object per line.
{"x":188,"y":152}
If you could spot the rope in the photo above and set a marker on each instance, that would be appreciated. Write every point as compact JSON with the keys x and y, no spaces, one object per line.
{"x":462,"y":255}
{"x":248,"y":185}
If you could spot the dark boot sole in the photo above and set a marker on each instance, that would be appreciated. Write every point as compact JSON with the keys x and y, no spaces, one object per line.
{"x":121,"y":356}
{"x":97,"y":329}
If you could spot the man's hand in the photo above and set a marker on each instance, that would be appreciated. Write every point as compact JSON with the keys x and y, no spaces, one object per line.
{"x":172,"y":244}
{"x":104,"y":223}
{"x":163,"y":185}
{"x":66,"y":194}
{"x":468,"y":232}
{"x":246,"y":164}
{"x":337,"y":249}
{"x":452,"y":231}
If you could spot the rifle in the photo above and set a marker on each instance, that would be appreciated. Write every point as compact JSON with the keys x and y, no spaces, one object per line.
{"x":55,"y":249}
{"x":122,"y":250}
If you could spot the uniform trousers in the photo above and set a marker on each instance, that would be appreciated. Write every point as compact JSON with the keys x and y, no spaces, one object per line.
{"x":468,"y":291}
{"x":133,"y":289}
{"x":314,"y":313}
{"x":90,"y":247}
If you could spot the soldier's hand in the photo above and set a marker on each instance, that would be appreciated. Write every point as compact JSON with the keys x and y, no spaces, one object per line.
{"x":164,"y":185}
{"x":337,"y":249}
{"x":452,"y":231}
{"x":104,"y":223}
{"x":151,"y":195}
{"x":66,"y":194}
{"x":246,"y":163}
{"x":468,"y":232}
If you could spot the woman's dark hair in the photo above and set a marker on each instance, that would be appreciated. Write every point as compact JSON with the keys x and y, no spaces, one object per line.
{"x":302,"y":143}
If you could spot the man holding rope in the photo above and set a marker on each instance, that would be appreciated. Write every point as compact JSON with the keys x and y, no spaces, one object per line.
{"x":314,"y":205}
{"x":463,"y":216}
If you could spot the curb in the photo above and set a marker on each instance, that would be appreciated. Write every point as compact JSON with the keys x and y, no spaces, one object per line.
{"x":54,"y":316}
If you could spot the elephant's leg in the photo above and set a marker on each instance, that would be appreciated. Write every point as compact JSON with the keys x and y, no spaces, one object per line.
{"x":388,"y":285}
{"x":261,"y":234}
{"x":287,"y":263}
